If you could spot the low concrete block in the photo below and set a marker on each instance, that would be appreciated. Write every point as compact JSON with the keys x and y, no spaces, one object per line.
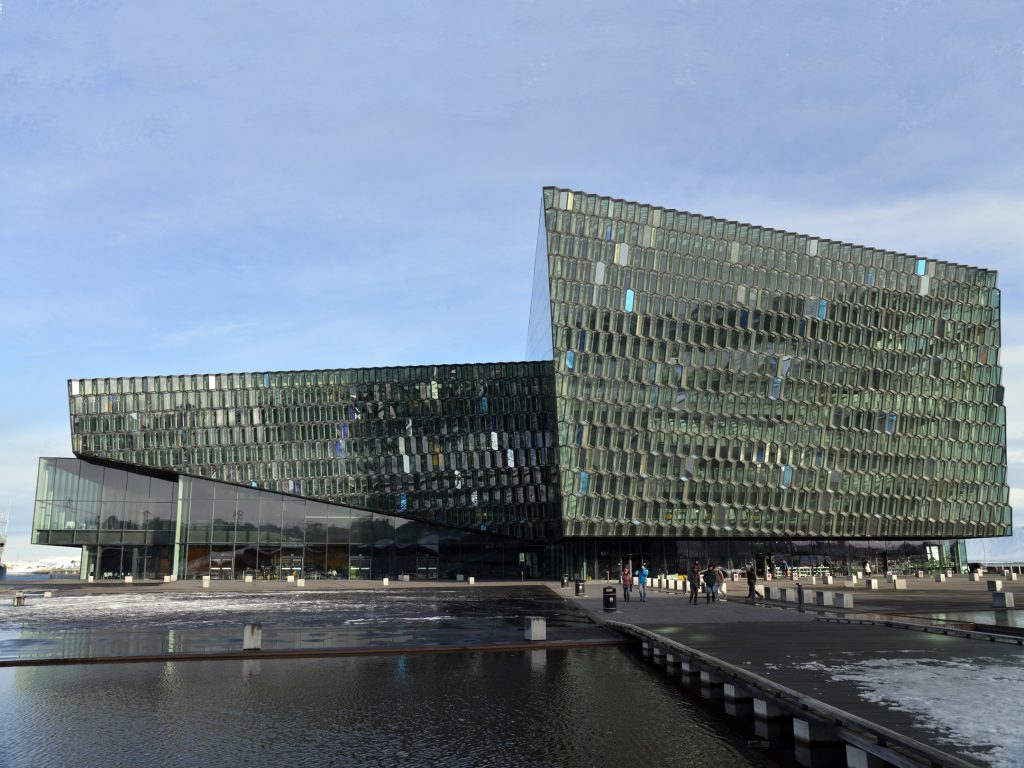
{"x":940,"y":577}
{"x":459,"y":577}
{"x":770,"y":720}
{"x":899,"y":583}
{"x":823,"y":597}
{"x":247,"y":579}
{"x":1002,"y":600}
{"x":828,"y":579}
{"x":994,"y":585}
{"x":843,"y":600}
{"x":471,"y":580}
{"x":672,"y":660}
{"x":536,"y":628}
{"x":949,"y":572}
{"x":252,"y":637}
{"x":47,"y":595}
{"x":1012,"y":576}
{"x":206,"y":582}
{"x":689,"y":673}
{"x":711,"y":686}
{"x":167,"y":579}
{"x":300,"y":582}
{"x":290,"y":578}
{"x":858,"y":758}
{"x":657,"y":655}
{"x":385,"y":581}
{"x":128,"y":579}
{"x":873,"y":583}
{"x":850,"y":584}
{"x":920,"y":575}
{"x":974,"y":576}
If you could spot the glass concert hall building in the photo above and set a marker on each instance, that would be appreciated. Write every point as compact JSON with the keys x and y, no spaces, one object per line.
{"x":698,"y":389}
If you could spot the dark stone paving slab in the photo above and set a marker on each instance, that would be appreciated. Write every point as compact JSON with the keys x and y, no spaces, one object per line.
{"x":796,"y":649}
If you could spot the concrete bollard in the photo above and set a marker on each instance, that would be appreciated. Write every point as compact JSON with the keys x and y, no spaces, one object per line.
{"x":899,"y":583}
{"x":300,"y":582}
{"x":843,"y":599}
{"x":247,"y":579}
{"x":385,"y":581}
{"x":940,"y":577}
{"x":206,"y":582}
{"x":252,"y":637}
{"x":128,"y":579}
{"x":19,"y":599}
{"x":873,"y":583}
{"x":994,"y":585}
{"x":472,"y":580}
{"x":536,"y":628}
{"x":1002,"y":600}
{"x":290,"y":578}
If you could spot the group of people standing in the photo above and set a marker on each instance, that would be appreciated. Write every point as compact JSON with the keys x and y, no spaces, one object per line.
{"x":713,"y":579}
{"x":626,"y":580}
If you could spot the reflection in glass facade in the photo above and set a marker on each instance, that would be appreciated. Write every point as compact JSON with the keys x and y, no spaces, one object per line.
{"x":721,"y":380}
{"x":131,"y":521}
{"x":706,"y":388}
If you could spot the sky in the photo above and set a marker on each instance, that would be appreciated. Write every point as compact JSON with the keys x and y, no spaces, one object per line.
{"x":195,"y":187}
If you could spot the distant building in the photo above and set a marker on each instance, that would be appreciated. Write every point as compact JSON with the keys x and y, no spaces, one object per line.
{"x":700,"y":388}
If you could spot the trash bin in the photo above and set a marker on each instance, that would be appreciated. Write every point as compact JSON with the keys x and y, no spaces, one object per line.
{"x":565,"y":580}
{"x":609,"y":599}
{"x":580,"y":584}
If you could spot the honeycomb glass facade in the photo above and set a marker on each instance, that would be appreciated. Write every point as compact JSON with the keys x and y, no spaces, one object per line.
{"x":467,"y":446}
{"x":702,"y":388}
{"x":716,"y":379}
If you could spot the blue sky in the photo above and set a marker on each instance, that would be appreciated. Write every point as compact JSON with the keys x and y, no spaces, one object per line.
{"x":200,"y":187}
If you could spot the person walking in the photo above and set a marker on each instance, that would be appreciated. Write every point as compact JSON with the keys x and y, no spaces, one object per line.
{"x":694,"y":579}
{"x":626,"y":579}
{"x":709,"y":583}
{"x":719,"y":584}
{"x":751,"y":583}
{"x":641,"y":581}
